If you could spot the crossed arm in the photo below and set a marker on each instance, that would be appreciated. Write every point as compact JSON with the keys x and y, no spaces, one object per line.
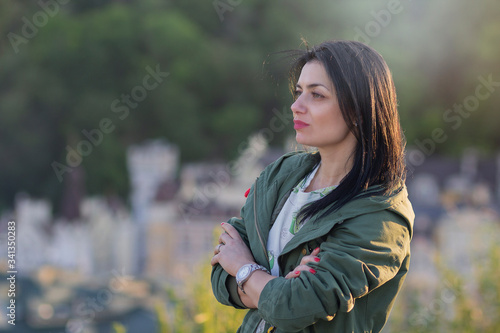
{"x":232,"y":253}
{"x":357,"y":257}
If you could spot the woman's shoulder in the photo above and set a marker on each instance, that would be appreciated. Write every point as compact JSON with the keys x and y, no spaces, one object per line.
{"x":394,"y":204}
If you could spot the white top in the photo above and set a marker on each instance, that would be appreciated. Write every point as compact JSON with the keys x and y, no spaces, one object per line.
{"x":286,"y":224}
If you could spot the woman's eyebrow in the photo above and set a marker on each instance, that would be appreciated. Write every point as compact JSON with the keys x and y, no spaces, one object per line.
{"x":312,"y":85}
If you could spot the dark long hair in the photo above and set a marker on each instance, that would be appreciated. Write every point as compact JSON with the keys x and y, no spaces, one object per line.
{"x":367,"y":100}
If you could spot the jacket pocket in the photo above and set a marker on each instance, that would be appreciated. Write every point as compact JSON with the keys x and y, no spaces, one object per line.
{"x":313,"y":244}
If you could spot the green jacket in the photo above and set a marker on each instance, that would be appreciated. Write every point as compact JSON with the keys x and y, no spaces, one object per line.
{"x":365,"y":255}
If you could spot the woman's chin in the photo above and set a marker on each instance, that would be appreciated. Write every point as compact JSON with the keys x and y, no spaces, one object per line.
{"x":305,"y":143}
{"x":301,"y":140}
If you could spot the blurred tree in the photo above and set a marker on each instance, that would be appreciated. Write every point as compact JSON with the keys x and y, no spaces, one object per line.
{"x":76,"y":83}
{"x":75,"y":93}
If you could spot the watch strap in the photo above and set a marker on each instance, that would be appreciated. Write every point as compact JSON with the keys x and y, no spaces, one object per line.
{"x":253,"y":268}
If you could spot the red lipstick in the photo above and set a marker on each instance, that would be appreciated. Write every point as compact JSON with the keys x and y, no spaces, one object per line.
{"x":299,"y":124}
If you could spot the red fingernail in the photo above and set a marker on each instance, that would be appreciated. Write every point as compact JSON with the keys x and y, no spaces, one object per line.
{"x":316,"y":248}
{"x":312,"y":271}
{"x":297,"y":272}
{"x":317,"y":259}
{"x":222,"y":223}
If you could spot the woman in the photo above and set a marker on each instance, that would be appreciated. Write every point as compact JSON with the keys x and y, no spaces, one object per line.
{"x":323,"y":242}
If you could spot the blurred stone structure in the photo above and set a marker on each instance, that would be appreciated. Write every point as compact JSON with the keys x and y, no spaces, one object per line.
{"x":175,"y":210}
{"x":33,"y":218}
{"x":101,"y":240}
{"x":112,"y":234}
{"x":150,"y":164}
{"x":182,"y":223}
{"x":457,"y":223}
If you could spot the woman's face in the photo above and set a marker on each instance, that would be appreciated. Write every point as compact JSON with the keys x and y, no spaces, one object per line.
{"x":318,"y":121}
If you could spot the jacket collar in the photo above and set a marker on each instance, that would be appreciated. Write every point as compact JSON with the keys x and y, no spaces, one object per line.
{"x":397,"y":202}
{"x":292,"y":168}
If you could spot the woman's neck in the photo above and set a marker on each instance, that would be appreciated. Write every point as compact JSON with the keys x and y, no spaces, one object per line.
{"x":333,"y":168}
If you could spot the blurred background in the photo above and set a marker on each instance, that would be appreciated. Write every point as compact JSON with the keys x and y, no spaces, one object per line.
{"x":130,"y":129}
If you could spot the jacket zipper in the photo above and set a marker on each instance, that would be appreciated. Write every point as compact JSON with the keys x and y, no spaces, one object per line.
{"x":255,"y":219}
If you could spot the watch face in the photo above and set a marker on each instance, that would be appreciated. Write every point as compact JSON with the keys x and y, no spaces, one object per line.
{"x":243,"y":272}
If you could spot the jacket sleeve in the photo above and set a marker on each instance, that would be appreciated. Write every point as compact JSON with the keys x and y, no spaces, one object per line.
{"x":358,"y":256}
{"x":224,"y":285}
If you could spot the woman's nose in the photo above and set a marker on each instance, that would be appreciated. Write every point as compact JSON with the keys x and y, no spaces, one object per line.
{"x":298,"y":106}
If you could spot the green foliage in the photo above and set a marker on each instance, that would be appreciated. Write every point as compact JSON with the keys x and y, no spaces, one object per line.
{"x":194,"y":309}
{"x":163,"y":322}
{"x":489,"y":291}
{"x":64,"y":79}
{"x":197,"y":310}
{"x":119,"y":328}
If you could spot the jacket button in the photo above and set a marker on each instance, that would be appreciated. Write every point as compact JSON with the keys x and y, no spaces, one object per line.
{"x":304,"y":251}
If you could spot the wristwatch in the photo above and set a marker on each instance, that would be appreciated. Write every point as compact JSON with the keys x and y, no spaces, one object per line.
{"x":245,"y":272}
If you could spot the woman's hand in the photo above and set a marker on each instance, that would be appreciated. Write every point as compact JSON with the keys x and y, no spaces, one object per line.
{"x":232,"y":252}
{"x":303,"y":264}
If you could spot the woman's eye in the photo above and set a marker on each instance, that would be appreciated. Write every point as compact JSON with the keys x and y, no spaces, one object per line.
{"x":314,"y":95}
